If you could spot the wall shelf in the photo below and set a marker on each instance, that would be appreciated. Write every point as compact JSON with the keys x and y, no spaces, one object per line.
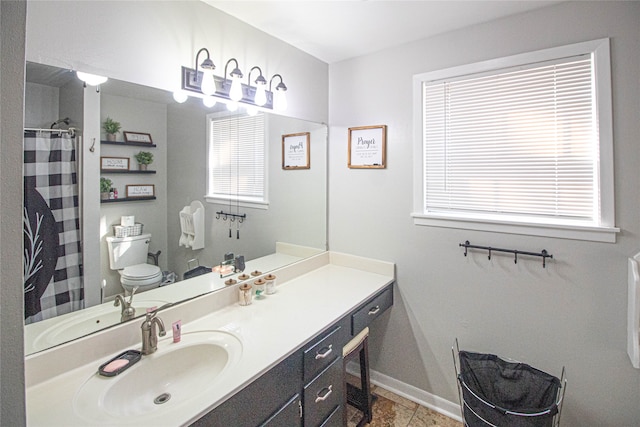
{"x":130,"y":144}
{"x":129,"y":171}
{"x":128,"y":199}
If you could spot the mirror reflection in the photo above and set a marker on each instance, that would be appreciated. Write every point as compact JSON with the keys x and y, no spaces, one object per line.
{"x":165,"y":221}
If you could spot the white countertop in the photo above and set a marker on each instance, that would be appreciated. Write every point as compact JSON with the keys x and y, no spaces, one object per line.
{"x":323,"y":290}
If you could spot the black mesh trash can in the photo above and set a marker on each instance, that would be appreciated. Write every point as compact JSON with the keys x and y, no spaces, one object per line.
{"x":495,"y":392}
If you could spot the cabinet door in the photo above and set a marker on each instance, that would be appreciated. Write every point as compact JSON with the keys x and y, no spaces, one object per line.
{"x":290,"y":415}
{"x":335,"y":419}
{"x":324,"y":394}
{"x":259,"y":400}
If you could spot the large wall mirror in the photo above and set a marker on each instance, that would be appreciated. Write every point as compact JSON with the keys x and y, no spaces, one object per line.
{"x":291,"y":226}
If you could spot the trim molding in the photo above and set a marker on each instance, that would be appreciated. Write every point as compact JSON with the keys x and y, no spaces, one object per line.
{"x":421,"y":397}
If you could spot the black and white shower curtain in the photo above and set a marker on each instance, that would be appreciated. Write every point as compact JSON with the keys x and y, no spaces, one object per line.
{"x":53,"y":282}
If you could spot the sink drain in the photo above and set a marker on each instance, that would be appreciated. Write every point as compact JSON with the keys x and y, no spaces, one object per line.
{"x":163,"y":398}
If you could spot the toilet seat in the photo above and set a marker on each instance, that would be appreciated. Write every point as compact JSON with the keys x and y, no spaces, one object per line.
{"x":141,"y":275}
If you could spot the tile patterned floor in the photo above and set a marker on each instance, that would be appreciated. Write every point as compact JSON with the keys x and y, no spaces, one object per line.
{"x":391,"y":410}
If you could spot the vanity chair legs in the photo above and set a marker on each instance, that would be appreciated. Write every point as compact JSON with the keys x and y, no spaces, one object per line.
{"x":360,"y":398}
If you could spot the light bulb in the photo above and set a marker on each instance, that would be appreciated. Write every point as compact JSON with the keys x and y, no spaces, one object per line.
{"x":252,"y":111}
{"x":209,"y":101}
{"x":180,"y":96}
{"x":208,"y":85}
{"x":261,"y":95}
{"x":280,"y":100}
{"x":235,"y":93}
{"x":91,"y":79}
{"x":232,"y":106}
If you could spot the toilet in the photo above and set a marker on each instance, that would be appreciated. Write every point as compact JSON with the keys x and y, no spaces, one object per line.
{"x":128,"y":255}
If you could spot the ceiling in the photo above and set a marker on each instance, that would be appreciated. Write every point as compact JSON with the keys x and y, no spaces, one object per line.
{"x":335,"y":30}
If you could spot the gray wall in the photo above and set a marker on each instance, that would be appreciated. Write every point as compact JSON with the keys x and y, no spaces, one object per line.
{"x":12,"y":51}
{"x":573,"y":313}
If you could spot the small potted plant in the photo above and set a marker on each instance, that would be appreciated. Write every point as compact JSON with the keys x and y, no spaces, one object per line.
{"x":144,"y":158}
{"x":105,"y":188}
{"x":111,"y":127}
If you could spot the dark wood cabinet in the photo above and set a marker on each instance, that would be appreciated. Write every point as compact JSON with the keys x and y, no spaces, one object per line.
{"x":307,"y":388}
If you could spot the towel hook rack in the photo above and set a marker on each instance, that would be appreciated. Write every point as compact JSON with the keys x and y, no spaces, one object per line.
{"x":543,"y":253}
{"x":231,"y":216}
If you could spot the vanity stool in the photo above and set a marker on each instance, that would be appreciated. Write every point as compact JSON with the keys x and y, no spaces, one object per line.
{"x":360,"y":398}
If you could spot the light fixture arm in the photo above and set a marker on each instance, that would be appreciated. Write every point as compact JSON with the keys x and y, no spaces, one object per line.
{"x":236,"y":71}
{"x":259,"y":80}
{"x":207,"y":63}
{"x":281,"y":85}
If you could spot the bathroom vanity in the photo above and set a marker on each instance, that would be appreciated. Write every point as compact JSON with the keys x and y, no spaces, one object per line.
{"x":275,"y":362}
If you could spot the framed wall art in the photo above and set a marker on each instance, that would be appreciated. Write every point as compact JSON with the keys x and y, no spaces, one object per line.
{"x":295,"y":151}
{"x":140,"y":190}
{"x":138,"y":137}
{"x":367,"y":147}
{"x":114,"y":163}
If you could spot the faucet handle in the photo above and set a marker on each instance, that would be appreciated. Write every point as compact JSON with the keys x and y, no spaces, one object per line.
{"x":133,"y":291}
{"x":151,"y":312}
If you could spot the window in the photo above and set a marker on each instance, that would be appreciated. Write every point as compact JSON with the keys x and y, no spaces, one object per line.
{"x":521,"y":144}
{"x":236,"y":159}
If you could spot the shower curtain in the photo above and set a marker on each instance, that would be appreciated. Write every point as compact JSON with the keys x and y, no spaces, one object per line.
{"x":53,"y":282}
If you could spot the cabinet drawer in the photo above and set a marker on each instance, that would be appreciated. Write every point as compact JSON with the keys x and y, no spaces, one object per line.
{"x":371,"y":310}
{"x":323,"y":395}
{"x":321,"y":353}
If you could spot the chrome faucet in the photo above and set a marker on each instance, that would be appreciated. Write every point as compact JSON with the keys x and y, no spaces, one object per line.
{"x":149,"y":333}
{"x":128,"y":311}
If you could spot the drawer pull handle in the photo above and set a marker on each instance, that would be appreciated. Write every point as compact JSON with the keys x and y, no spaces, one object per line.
{"x":324,"y":394}
{"x":327,"y":351}
{"x":374,"y":310}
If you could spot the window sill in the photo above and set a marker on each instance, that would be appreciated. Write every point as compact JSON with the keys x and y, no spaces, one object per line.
{"x":589,"y":233}
{"x":242,"y":203}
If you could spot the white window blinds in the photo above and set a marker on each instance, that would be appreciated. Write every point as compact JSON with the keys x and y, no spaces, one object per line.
{"x":237,"y":157}
{"x":518,"y":142}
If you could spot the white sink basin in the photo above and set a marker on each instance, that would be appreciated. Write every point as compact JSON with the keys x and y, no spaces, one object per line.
{"x":85,"y":322}
{"x":174,"y":378}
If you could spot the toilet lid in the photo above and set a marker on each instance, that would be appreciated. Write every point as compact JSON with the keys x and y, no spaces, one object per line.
{"x":141,"y":271}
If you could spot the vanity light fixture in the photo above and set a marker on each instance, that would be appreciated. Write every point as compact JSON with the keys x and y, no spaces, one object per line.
{"x":91,"y":79}
{"x":235,"y":92}
{"x":208,"y":84}
{"x":180,"y":96}
{"x":209,"y":101}
{"x":279,"y":96}
{"x":204,"y":84}
{"x":261,"y":87}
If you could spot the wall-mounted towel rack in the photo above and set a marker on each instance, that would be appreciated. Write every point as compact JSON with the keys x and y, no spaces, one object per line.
{"x":543,"y":253}
{"x":232,"y":217}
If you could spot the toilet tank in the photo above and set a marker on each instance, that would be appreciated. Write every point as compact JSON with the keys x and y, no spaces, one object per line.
{"x":126,"y":251}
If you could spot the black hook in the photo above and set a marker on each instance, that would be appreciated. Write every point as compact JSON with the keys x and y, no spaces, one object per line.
{"x":545,"y":254}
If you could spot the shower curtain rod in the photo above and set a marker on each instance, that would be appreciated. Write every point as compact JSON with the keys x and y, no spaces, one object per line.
{"x":70,"y":131}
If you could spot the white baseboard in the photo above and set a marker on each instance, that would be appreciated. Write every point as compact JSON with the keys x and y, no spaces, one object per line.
{"x":421,"y":397}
